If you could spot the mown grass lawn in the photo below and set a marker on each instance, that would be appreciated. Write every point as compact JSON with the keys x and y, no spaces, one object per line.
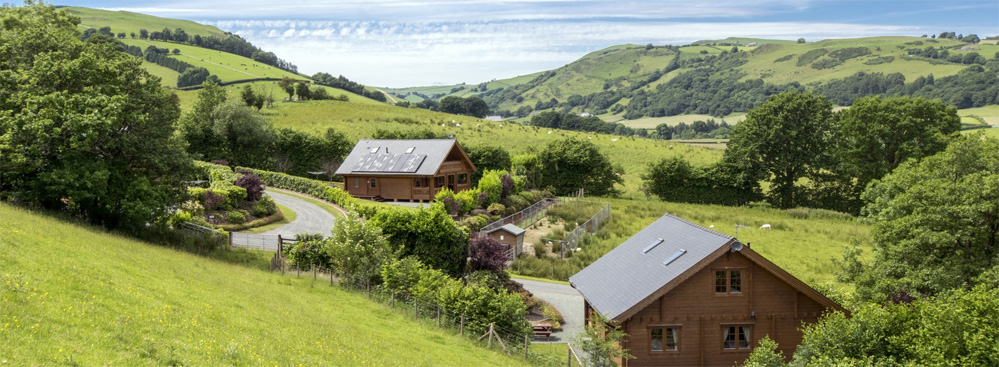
{"x":72,"y":295}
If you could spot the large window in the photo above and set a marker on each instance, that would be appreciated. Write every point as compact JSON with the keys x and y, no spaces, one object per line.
{"x":728,"y":281}
{"x":663,"y":339}
{"x":357,"y":182}
{"x":439,"y":181}
{"x":419,"y":182}
{"x":462,"y":178}
{"x":735,"y":337}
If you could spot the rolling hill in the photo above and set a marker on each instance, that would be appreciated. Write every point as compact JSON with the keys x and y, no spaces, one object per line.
{"x":77,"y":296}
{"x":628,"y":70}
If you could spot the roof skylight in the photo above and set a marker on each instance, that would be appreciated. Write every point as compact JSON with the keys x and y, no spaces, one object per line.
{"x":674,"y":257}
{"x":374,"y":150}
{"x":652,"y":246}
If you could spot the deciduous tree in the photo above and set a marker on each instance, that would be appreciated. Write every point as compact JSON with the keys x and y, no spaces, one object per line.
{"x":571,"y":164}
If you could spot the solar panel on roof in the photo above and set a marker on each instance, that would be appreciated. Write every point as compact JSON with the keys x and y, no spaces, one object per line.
{"x":390,"y":163}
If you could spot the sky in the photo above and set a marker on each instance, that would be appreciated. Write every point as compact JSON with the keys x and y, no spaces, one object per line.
{"x":401,"y":43}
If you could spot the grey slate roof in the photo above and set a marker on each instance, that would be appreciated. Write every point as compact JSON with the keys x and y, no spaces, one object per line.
{"x":390,"y":157}
{"x":512,"y":228}
{"x":626,"y":275}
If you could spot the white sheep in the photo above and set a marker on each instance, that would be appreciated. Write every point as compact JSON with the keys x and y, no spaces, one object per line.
{"x":765,"y":226}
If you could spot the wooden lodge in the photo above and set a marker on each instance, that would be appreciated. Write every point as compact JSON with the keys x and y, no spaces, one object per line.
{"x":686,"y":295}
{"x":510,"y":236}
{"x":409,"y":170}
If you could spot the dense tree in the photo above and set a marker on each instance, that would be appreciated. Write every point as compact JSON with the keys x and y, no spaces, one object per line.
{"x":470,"y":106}
{"x":782,"y":141}
{"x":485,"y":157}
{"x":674,"y":179}
{"x":303,"y":92}
{"x":245,"y":134}
{"x":196,"y":127}
{"x":288,"y":85}
{"x":428,"y":234}
{"x":83,"y":127}
{"x":876,"y":135}
{"x":936,"y":222}
{"x":570,"y":164}
{"x":357,"y":249}
{"x":192,"y":76}
{"x":306,"y":153}
{"x":143,"y":33}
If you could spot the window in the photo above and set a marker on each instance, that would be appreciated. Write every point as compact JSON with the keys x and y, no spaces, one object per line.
{"x":372,"y":182}
{"x":357,"y":182}
{"x":501,"y":237}
{"x":462,"y":178}
{"x":439,"y":181}
{"x":735,"y":337}
{"x":410,"y":150}
{"x":728,"y":281}
{"x":419,"y":182}
{"x":664,"y":339}
{"x":373,"y":150}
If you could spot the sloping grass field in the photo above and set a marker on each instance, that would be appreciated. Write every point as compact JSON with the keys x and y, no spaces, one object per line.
{"x":228,"y":67}
{"x":361,"y":121}
{"x":79,"y":296}
{"x":128,"y":22}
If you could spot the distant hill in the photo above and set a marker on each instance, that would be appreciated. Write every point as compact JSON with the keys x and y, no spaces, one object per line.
{"x":94,"y":298}
{"x":128,"y":22}
{"x":606,"y":82}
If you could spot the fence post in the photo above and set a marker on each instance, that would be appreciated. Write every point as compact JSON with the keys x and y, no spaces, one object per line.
{"x":568,"y":352}
{"x":526,"y":344}
{"x":393,"y":299}
{"x":280,"y":243}
{"x":491,"y":335}
{"x":438,"y":316}
{"x":416,"y":309}
{"x":462,"y":324}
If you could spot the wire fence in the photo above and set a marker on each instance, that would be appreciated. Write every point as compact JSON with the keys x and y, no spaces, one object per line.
{"x":218,"y":237}
{"x":516,"y":343}
{"x":264,"y":242}
{"x":592,"y":225}
{"x":526,"y":217}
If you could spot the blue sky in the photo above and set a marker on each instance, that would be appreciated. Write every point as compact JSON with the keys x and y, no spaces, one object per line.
{"x":397,"y":43}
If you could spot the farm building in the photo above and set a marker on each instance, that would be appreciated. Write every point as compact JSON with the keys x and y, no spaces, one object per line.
{"x":686,"y":295}
{"x":411,"y":170}
{"x":511,"y":236}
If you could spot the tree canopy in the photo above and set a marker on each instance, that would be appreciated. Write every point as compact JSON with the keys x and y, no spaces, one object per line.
{"x":571,"y":164}
{"x":936,"y":221}
{"x":83,"y":127}
{"x":782,"y":141}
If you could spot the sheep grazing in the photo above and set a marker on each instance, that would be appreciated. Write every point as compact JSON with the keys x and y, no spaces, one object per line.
{"x":765,"y":226}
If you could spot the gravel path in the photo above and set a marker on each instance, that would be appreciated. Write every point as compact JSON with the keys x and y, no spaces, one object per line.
{"x":566,"y":299}
{"x":311,"y":218}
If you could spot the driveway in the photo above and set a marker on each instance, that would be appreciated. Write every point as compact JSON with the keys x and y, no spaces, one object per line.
{"x":311,"y":218}
{"x":566,"y":299}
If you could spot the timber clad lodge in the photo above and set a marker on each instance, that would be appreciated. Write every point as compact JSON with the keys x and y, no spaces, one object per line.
{"x":408,"y":170}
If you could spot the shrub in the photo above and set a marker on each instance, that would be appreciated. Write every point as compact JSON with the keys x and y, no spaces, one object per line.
{"x":495,"y":208}
{"x":253,"y":185}
{"x":469,"y":200}
{"x":213,"y":201}
{"x":306,"y":186}
{"x":235,"y":217}
{"x":179,"y":218}
{"x":264,"y":207}
{"x":487,"y":254}
{"x":221,"y":162}
{"x":540,"y":250}
{"x":475,"y":223}
{"x":193,"y":207}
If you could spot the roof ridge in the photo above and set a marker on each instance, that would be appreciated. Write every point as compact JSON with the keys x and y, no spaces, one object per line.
{"x":698,"y":226}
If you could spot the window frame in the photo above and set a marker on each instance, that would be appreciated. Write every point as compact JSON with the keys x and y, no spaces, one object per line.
{"x":746,"y":330}
{"x":667,"y":329}
{"x":462,"y":179}
{"x":733,"y":278}
{"x":373,"y":182}
{"x":419,"y":182}
{"x":357,"y":182}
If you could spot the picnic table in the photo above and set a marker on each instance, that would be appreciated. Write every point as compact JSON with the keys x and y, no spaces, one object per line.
{"x":542,"y":329}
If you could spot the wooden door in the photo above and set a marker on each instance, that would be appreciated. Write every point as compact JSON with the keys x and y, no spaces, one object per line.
{"x":374,"y":187}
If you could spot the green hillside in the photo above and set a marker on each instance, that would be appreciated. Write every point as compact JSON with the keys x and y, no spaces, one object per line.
{"x":228,"y":67}
{"x":360,"y":121}
{"x":78,"y":296}
{"x":629,"y":69}
{"x":128,"y":22}
{"x":267,"y":88}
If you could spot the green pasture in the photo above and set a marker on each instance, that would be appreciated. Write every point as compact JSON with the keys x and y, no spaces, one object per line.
{"x":652,"y":122}
{"x":271,"y":88}
{"x":72,"y":295}
{"x":128,"y":22}
{"x":227,"y":66}
{"x":744,"y":40}
{"x":360,"y":121}
{"x":989,"y":115}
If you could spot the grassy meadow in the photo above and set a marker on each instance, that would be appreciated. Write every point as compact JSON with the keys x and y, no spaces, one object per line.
{"x":228,"y":67}
{"x":72,"y":295}
{"x":360,"y":121}
{"x":128,"y":22}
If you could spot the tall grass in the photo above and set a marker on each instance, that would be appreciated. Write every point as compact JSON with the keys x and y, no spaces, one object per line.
{"x":71,"y":295}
